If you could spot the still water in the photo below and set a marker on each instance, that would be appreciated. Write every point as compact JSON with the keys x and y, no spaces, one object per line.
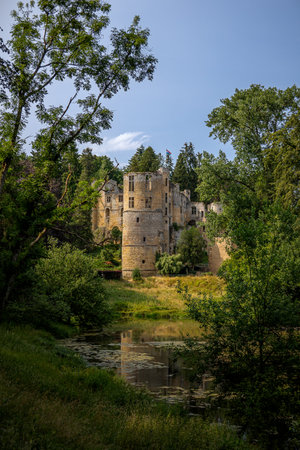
{"x":141,"y":352}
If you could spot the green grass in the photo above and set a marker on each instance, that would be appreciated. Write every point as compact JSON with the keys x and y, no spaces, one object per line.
{"x":157,"y":297}
{"x":50,"y":400}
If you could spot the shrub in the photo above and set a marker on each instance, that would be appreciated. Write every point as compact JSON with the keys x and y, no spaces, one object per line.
{"x":67,"y":287}
{"x":136,"y":274}
{"x":169,"y":264}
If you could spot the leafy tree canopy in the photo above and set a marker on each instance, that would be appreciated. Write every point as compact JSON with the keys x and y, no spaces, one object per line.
{"x":52,"y":42}
{"x":98,"y":168}
{"x":191,"y":247}
{"x":252,"y":346}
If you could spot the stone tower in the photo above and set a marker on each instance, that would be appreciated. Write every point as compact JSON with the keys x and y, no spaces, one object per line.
{"x":146,"y":220}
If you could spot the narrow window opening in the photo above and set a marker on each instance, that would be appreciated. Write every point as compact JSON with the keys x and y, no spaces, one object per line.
{"x":148,"y":202}
{"x":131,"y":183}
{"x":143,"y":261}
{"x":131,"y":202}
{"x":137,"y":220}
{"x":144,"y":239}
{"x":148,"y":183}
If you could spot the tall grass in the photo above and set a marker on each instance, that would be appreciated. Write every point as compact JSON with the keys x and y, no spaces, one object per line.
{"x":50,"y":400}
{"x":157,"y":297}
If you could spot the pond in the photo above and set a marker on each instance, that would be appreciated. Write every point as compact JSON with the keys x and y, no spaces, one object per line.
{"x":141,"y":352}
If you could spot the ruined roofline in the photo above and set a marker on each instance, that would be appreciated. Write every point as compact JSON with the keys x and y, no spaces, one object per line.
{"x":161,"y":170}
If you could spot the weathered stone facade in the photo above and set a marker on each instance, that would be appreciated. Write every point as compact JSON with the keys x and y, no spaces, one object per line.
{"x":151,"y":211}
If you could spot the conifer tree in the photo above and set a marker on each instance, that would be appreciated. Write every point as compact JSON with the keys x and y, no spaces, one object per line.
{"x":184,"y":172}
{"x":144,"y":160}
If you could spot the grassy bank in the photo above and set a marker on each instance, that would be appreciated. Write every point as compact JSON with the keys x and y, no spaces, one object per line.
{"x":50,"y":400}
{"x":157,"y":297}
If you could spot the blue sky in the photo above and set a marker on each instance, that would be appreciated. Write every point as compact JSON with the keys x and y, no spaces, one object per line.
{"x":206,"y":49}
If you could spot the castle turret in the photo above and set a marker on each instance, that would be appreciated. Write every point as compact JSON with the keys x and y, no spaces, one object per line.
{"x":145,"y":221}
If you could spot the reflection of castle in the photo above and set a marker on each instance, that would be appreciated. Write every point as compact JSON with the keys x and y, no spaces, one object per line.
{"x":151,"y":211}
{"x":159,"y":369}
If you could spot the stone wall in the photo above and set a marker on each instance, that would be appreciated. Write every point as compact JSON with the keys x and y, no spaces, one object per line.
{"x":216,"y":255}
{"x":145,"y":211}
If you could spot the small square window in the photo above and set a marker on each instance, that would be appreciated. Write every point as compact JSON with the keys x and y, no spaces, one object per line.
{"x":143,"y":261}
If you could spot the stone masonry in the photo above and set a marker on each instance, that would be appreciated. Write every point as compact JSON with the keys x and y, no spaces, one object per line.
{"x":151,"y":212}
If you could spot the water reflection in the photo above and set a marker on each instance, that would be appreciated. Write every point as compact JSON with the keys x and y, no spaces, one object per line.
{"x":142,"y":355}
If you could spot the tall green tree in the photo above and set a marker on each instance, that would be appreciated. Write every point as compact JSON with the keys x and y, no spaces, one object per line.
{"x":168,"y":164}
{"x":144,"y":160}
{"x":52,"y":42}
{"x":185,"y":170}
{"x":247,"y":118}
{"x":191,"y":247}
{"x":253,"y":343}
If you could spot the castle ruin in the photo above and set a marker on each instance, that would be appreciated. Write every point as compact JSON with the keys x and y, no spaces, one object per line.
{"x":151,"y":212}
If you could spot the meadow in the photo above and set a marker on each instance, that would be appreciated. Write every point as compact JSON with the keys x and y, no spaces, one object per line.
{"x":158,"y":297}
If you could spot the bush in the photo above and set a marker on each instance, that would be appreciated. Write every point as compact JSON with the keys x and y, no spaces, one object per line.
{"x":136,"y":274}
{"x":66,"y":289}
{"x":169,"y":264}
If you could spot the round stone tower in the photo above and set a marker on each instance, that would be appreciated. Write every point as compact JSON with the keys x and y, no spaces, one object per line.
{"x":145,"y":220}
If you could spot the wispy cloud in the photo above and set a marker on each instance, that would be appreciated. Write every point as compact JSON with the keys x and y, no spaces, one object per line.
{"x":130,"y":140}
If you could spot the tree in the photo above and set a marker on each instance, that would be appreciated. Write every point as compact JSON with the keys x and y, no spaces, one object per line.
{"x":247,"y":118}
{"x":185,"y":170}
{"x":252,"y":342}
{"x":144,"y":160}
{"x":282,"y":162}
{"x":67,"y":284}
{"x":60,"y":41}
{"x":252,"y":346}
{"x":263,"y":127}
{"x":169,"y":164}
{"x":191,"y":247}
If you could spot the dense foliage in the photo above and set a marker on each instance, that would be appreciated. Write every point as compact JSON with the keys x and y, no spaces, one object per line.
{"x":65,"y":288}
{"x":144,"y":160}
{"x":185,"y":170}
{"x":252,"y":345}
{"x":169,"y":264}
{"x":192,"y":247}
{"x":53,"y":42}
